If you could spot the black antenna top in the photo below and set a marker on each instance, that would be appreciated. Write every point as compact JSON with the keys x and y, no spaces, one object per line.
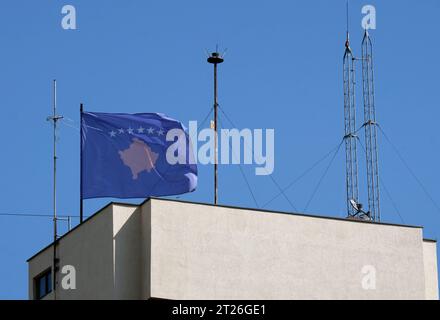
{"x":215,"y":58}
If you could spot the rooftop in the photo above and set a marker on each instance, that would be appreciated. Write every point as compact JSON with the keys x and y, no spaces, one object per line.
{"x":230,"y":207}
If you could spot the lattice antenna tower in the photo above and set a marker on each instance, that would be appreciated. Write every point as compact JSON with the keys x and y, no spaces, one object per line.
{"x":349,"y":78}
{"x":370,"y":126}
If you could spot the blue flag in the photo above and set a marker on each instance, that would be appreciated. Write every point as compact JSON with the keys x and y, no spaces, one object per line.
{"x":124,"y":156}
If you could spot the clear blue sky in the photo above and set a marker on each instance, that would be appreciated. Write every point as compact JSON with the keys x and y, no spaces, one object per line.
{"x":282,"y":71}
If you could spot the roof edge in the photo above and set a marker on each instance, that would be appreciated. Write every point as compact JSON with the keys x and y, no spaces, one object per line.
{"x":228,"y":207}
{"x":111,"y":203}
{"x":286,"y":212}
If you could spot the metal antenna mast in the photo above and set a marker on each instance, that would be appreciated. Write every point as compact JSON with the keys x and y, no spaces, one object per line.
{"x":54,"y":118}
{"x":215,"y":58}
{"x":370,"y":128}
{"x":349,"y":79}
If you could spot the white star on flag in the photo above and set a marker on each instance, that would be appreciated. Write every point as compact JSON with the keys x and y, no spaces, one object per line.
{"x":150,"y":131}
{"x":141,"y":129}
{"x":160,"y":132}
{"x":130,"y":130}
{"x":112,"y":133}
{"x":121,"y":131}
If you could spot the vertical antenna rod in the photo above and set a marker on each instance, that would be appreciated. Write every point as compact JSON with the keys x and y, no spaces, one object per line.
{"x":215,"y":59}
{"x":348,"y":19}
{"x":349,"y":82}
{"x":370,"y":125}
{"x":54,"y":118}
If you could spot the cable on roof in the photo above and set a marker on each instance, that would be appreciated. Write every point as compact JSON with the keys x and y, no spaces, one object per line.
{"x":207,"y":116}
{"x":70,"y":123}
{"x":270,"y":176}
{"x":242,"y":172}
{"x":382,"y":183}
{"x":302,"y":175}
{"x":323,"y":176}
{"x":405,"y":163}
{"x":28,"y":215}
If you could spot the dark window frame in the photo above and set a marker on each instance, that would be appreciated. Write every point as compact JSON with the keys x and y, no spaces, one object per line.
{"x":45,"y":276}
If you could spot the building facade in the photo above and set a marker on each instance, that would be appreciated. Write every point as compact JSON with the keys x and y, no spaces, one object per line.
{"x":180,"y":250}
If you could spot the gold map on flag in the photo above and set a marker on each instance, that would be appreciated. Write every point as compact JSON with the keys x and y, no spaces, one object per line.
{"x":139,"y":157}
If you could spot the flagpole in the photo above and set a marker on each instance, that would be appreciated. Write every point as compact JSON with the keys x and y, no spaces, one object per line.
{"x":54,"y":118}
{"x":215,"y":59}
{"x":81,"y":109}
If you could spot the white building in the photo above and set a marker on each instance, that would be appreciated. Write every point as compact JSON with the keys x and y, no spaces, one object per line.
{"x":180,"y":250}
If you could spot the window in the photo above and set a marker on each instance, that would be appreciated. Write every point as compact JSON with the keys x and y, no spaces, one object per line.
{"x":43,"y":284}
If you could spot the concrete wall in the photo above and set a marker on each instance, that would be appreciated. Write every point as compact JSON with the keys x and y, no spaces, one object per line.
{"x":176,"y":250}
{"x":431,"y":275}
{"x":127,"y":244}
{"x":106,"y":254}
{"x":146,"y":251}
{"x":90,"y":250}
{"x":205,"y":252}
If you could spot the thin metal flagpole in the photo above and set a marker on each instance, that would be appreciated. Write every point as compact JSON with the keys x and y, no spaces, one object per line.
{"x":81,"y":110}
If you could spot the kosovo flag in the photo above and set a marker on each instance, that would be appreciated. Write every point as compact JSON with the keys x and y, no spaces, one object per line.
{"x":124,"y":156}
